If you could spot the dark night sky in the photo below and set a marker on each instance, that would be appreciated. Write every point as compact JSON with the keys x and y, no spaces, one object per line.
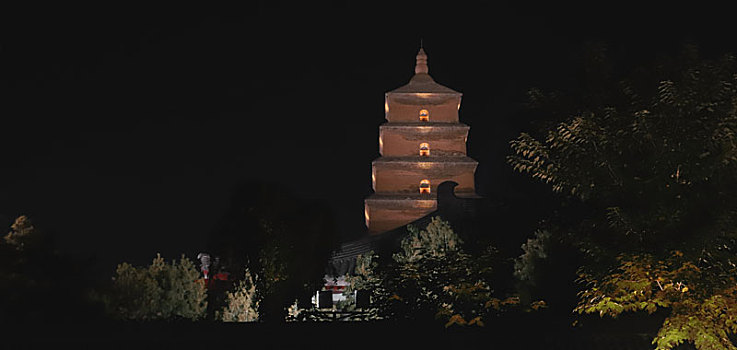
{"x":125,"y":130}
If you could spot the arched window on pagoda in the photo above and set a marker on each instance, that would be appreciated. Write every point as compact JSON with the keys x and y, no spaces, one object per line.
{"x":424,"y":115}
{"x":424,"y":149}
{"x":425,"y":186}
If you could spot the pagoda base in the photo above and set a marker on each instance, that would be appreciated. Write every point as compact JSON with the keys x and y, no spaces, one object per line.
{"x":387,"y":212}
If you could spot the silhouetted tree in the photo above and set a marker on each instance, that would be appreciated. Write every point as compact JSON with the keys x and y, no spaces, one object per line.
{"x":283,"y":239}
{"x":37,"y":284}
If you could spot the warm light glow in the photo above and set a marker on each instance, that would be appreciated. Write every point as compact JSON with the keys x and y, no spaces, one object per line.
{"x":424,"y":115}
{"x":425,"y":204}
{"x":386,"y":107}
{"x":373,"y":178}
{"x":425,"y":186}
{"x":424,"y":149}
{"x":381,"y":145}
{"x":366,"y":215}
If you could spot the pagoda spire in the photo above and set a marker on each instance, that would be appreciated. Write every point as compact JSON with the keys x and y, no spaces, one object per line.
{"x":421,"y":65}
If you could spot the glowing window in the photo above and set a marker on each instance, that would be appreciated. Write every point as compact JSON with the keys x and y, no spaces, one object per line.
{"x":425,"y":186}
{"x":424,"y":115}
{"x":424,"y":149}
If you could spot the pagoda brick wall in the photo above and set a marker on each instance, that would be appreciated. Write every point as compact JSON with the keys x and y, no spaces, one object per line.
{"x":405,"y":139}
{"x":407,"y":108}
{"x":390,"y":212}
{"x":403,"y":177}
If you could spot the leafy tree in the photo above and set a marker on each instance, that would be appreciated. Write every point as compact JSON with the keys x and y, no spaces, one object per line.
{"x":541,"y":273}
{"x":367,"y":277}
{"x":431,"y":278}
{"x":22,"y":233}
{"x":647,"y":166}
{"x":242,"y":305}
{"x":21,"y":271}
{"x":435,"y":241}
{"x":535,"y":249}
{"x":159,"y":291}
{"x":703,"y":310}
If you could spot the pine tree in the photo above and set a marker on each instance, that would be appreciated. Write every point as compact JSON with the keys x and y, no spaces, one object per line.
{"x":241,"y":304}
{"x":159,"y":291}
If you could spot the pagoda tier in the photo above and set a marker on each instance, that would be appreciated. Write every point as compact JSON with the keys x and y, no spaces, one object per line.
{"x":422,"y":145}
{"x":402,"y":175}
{"x":405,"y":107}
{"x":406,"y":139}
{"x":387,"y":212}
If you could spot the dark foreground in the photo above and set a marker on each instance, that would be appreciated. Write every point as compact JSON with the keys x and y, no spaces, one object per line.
{"x":526,"y":332}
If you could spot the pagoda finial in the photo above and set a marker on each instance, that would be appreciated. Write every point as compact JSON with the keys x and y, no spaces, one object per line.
{"x":421,"y":65}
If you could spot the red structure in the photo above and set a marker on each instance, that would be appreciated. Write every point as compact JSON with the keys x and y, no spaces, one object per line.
{"x":422,"y":144}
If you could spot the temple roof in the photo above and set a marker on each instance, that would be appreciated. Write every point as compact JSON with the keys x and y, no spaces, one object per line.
{"x":422,"y":82}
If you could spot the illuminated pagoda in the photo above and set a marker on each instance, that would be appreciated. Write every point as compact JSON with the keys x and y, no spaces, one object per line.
{"x":422,"y":162}
{"x":421,"y":145}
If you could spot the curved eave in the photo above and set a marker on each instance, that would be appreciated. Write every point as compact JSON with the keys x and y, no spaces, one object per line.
{"x":425,"y":160}
{"x":404,"y":199}
{"x":429,"y":125}
{"x":423,"y":93}
{"x":422,"y":83}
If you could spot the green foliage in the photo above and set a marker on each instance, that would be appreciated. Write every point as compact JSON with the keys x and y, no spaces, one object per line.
{"x":159,"y":291}
{"x":294,"y":312}
{"x":655,"y":160}
{"x":435,"y":241}
{"x":241,"y":304}
{"x":367,"y":277}
{"x":24,"y":273}
{"x":272,"y":261}
{"x":273,"y":268}
{"x":22,"y":232}
{"x":534,"y":250}
{"x":431,"y":278}
{"x":703,"y":311}
{"x":20,"y":251}
{"x":652,"y":158}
